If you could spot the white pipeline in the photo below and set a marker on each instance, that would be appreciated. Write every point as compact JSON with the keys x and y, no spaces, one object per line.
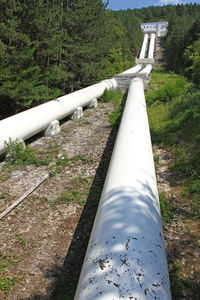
{"x":34,"y":120}
{"x":126,"y":254}
{"x":151,"y":46}
{"x":144,"y":46}
{"x":133,"y":70}
{"x":147,"y":70}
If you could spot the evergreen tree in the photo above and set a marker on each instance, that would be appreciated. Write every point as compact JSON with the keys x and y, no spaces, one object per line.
{"x":86,"y":45}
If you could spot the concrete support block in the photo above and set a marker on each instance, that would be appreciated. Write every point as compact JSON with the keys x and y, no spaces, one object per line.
{"x":124,"y":79}
{"x":144,"y":61}
{"x":78,"y":113}
{"x":53,"y":129}
{"x":93,"y":104}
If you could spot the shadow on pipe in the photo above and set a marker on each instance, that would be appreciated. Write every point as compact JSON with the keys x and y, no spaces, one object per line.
{"x":66,"y":277}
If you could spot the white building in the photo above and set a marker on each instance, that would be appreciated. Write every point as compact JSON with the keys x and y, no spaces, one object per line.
{"x":159,"y":27}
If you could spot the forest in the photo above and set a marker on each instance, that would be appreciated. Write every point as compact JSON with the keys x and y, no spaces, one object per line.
{"x":50,"y":48}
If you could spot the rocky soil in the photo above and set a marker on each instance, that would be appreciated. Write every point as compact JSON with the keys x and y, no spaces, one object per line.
{"x":182,"y":234}
{"x":43,"y":240}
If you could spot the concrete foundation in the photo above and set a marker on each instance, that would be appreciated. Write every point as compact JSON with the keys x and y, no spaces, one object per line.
{"x":78,"y":113}
{"x":93,"y":104}
{"x":53,"y":129}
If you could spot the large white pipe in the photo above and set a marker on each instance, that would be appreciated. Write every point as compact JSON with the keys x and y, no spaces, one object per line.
{"x":147,"y":70}
{"x":144,"y":46}
{"x":126,"y":257}
{"x":34,"y":120}
{"x":151,"y":46}
{"x":133,"y":70}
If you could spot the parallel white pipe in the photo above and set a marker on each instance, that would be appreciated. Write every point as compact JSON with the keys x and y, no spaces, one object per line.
{"x":144,"y":46}
{"x":147,"y":70}
{"x":34,"y":120}
{"x":133,"y":70}
{"x":126,"y":257}
{"x":151,"y":46}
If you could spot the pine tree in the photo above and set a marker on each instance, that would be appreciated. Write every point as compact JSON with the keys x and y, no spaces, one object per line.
{"x":86,"y":45}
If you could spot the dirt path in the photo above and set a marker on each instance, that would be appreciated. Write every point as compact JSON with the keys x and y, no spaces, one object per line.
{"x":40,"y":256}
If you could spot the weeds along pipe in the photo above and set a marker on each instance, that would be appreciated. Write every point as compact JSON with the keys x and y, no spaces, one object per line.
{"x":126,"y":256}
{"x":144,"y":46}
{"x":34,"y":120}
{"x":151,"y":46}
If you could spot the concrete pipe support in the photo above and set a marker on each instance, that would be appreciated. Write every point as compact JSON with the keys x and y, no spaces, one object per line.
{"x":126,"y":257}
{"x":144,"y":46}
{"x":151,"y":46}
{"x":28,"y":123}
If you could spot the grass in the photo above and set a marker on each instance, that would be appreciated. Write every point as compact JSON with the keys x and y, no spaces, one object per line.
{"x":60,"y":162}
{"x":118,"y":100}
{"x":6,"y":282}
{"x":3,"y":196}
{"x":174,"y":113}
{"x":112,"y":96}
{"x":182,"y":285}
{"x":174,"y":123}
{"x":22,"y":155}
{"x":76,"y":191}
{"x":167,"y":209}
{"x":22,"y":240}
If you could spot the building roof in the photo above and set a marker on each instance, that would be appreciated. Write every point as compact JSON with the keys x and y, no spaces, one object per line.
{"x":156,"y":23}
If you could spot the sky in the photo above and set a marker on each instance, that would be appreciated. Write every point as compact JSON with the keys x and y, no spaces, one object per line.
{"x":124,"y":4}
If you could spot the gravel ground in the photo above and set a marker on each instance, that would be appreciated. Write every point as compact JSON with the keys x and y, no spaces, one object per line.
{"x":38,"y":236}
{"x":43,"y":240}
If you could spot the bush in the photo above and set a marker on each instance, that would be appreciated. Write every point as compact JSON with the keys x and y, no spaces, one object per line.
{"x":168,"y":91}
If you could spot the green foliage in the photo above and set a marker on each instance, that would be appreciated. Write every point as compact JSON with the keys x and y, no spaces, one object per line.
{"x":115,"y":117}
{"x":77,"y":191}
{"x":118,"y":99}
{"x":3,"y":196}
{"x":49,"y":48}
{"x":192,"y":58}
{"x":175,"y":123}
{"x":25,"y":155}
{"x":6,"y":282}
{"x":69,"y":196}
{"x":112,"y":96}
{"x":79,"y":157}
{"x":171,"y":89}
{"x":166,"y":209}
{"x":21,"y":240}
{"x":177,"y":283}
{"x":181,"y":285}
{"x":60,"y":162}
